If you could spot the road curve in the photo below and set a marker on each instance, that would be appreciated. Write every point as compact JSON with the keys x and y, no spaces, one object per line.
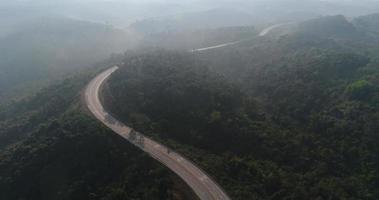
{"x":216,"y":47}
{"x":261,"y":34}
{"x":271,"y":28}
{"x":199,"y":181}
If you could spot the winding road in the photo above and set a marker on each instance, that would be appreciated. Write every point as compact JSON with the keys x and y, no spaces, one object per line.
{"x":216,"y":47}
{"x":271,"y":28}
{"x":198,"y":180}
{"x":264,"y":32}
{"x":203,"y":185}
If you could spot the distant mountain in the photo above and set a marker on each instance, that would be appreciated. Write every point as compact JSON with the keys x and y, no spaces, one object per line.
{"x":214,"y":18}
{"x":198,"y":38}
{"x":368,"y":23}
{"x":43,"y":49}
{"x":330,"y":26}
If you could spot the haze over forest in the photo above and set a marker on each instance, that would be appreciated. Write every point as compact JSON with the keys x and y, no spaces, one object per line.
{"x":258,"y":99}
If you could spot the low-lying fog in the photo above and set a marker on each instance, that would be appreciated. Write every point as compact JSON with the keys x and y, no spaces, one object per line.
{"x":47,"y":37}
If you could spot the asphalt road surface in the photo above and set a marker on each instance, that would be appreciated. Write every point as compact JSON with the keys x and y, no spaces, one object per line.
{"x":198,"y":180}
{"x":261,"y":34}
{"x":271,"y":28}
{"x":216,"y":47}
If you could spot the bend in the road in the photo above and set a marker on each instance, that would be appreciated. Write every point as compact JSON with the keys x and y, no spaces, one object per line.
{"x":264,"y":32}
{"x":198,"y":180}
{"x":268,"y":30}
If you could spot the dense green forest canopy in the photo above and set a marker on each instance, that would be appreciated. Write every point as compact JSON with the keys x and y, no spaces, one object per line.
{"x":291,"y":116}
{"x":75,"y":158}
{"x":52,"y":149}
{"x":294,"y":117}
{"x":19,"y":118}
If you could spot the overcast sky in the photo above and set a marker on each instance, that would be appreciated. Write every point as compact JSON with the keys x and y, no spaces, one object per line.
{"x":124,"y":12}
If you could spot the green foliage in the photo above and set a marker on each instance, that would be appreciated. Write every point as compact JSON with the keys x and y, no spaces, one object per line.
{"x":301,"y":138}
{"x":330,"y":26}
{"x":171,"y":93}
{"x":360,"y":89}
{"x":289,"y":118}
{"x":369,"y":24}
{"x":19,"y":118}
{"x":76,"y":158}
{"x":51,"y":149}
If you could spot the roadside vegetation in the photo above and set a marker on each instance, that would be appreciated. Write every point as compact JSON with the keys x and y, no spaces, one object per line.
{"x":288,"y":116}
{"x":51,"y":148}
{"x":294,"y":117}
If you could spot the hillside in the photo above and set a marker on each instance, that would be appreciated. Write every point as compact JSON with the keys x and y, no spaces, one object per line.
{"x":293,"y":117}
{"x":40,"y":51}
{"x":52,"y":149}
{"x":333,"y":26}
{"x":208,"y":19}
{"x":369,"y":24}
{"x":193,"y":39}
{"x":75,"y":158}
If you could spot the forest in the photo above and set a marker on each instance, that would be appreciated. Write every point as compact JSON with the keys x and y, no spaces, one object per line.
{"x":51,"y":148}
{"x":44,"y":49}
{"x":291,"y":115}
{"x":265,"y":119}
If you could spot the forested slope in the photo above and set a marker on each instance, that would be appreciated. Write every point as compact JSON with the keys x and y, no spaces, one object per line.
{"x":52,"y":149}
{"x":41,"y":51}
{"x":75,"y":158}
{"x":288,"y":118}
{"x":292,"y":117}
{"x":198,"y":38}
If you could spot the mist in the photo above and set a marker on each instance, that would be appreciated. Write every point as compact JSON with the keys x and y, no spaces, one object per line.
{"x":56,"y":27}
{"x":123,"y":13}
{"x":43,"y":25}
{"x":189,"y":99}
